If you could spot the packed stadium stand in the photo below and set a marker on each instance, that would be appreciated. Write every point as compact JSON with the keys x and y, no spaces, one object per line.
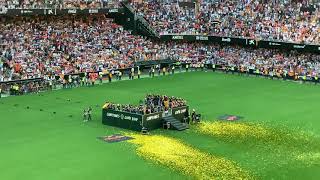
{"x":289,"y":21}
{"x":46,"y":46}
{"x":91,"y":89}
{"x":37,"y":47}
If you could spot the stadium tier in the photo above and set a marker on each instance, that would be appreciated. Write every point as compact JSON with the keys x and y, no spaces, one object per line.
{"x":44,"y":47}
{"x":289,"y":21}
{"x":53,"y":46}
{"x":48,"y":46}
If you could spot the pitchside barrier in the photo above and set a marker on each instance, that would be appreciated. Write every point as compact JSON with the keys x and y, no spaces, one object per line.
{"x":136,"y":122}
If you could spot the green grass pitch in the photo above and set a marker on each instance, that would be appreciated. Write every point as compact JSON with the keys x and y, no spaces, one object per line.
{"x":38,"y":145}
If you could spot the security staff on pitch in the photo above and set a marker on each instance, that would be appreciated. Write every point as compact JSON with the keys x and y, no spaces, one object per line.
{"x":119,"y":75}
{"x":110,"y":76}
{"x":152,"y":71}
{"x":202,"y":66}
{"x":316,"y":80}
{"x":132,"y":73}
{"x":139,"y":73}
{"x":85,"y":115}
{"x":159,"y":69}
{"x":172,"y":69}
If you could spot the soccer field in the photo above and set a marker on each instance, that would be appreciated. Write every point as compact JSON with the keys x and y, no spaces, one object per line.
{"x":279,"y":138}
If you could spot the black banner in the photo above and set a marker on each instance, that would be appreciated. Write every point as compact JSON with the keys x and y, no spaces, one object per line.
{"x":244,"y":42}
{"x":22,"y":12}
{"x":210,"y":39}
{"x":131,"y":121}
{"x":152,"y":121}
{"x":135,"y":122}
{"x":149,"y":63}
{"x":121,"y":119}
{"x":179,"y":112}
{"x":289,"y":46}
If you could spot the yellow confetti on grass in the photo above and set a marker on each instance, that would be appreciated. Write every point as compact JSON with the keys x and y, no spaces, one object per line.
{"x":190,"y":161}
{"x":309,"y":158}
{"x":233,"y":130}
{"x":284,"y":144}
{"x":258,"y":133}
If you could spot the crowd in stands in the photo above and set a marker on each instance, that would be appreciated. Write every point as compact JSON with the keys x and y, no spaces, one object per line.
{"x":278,"y":20}
{"x":25,"y":87}
{"x":67,"y":4}
{"x":54,"y":46}
{"x":248,"y":58}
{"x":48,"y":46}
{"x":33,"y":47}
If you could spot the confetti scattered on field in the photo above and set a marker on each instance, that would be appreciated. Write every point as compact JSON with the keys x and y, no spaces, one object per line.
{"x":283,"y":145}
{"x":309,"y":158}
{"x":186,"y":159}
{"x":257,"y":133}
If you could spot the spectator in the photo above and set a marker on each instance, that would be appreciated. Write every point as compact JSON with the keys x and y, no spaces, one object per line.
{"x":290,"y":21}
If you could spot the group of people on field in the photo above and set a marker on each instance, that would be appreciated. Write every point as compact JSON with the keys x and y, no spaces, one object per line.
{"x":87,"y":114}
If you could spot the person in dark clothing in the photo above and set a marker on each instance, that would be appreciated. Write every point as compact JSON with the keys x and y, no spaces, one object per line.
{"x":213,"y":67}
{"x":193,"y":116}
{"x":89,"y":114}
{"x":186,"y":117}
{"x":85,"y":115}
{"x":100,"y":78}
{"x":152,"y":71}
{"x":120,"y":75}
{"x":110,"y":77}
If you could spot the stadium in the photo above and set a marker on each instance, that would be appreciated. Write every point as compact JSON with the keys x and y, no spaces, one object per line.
{"x":159,"y":89}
